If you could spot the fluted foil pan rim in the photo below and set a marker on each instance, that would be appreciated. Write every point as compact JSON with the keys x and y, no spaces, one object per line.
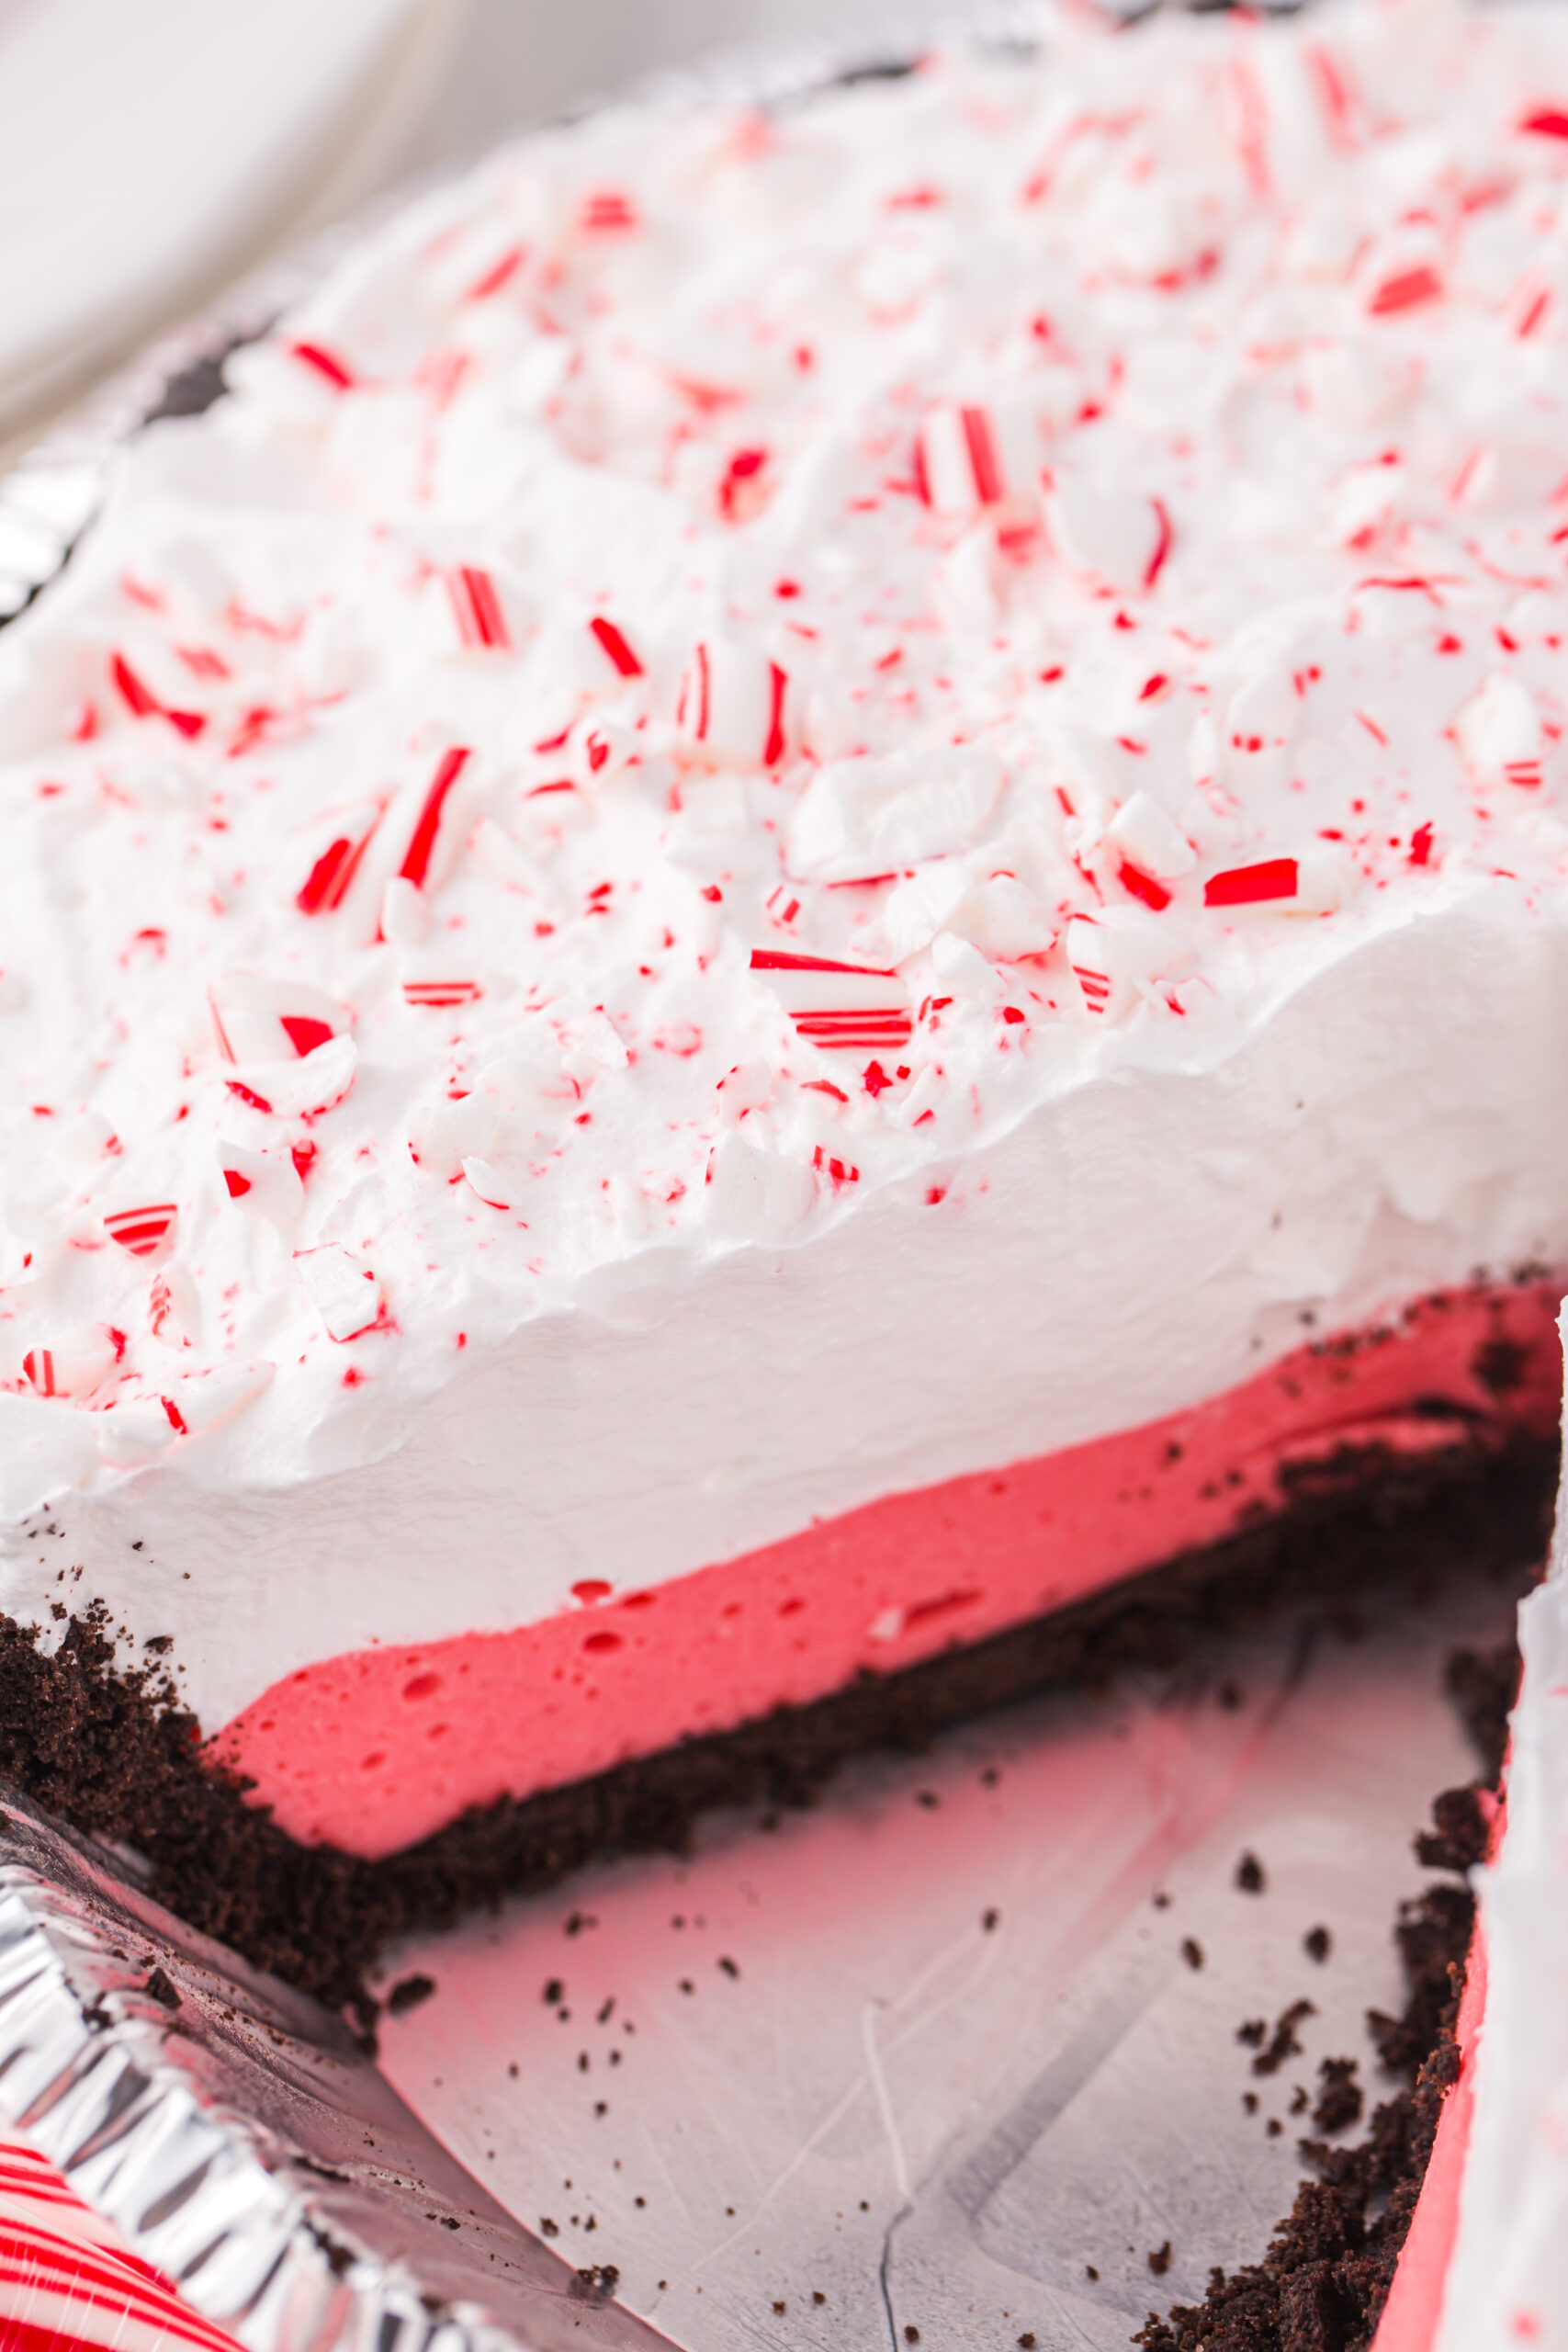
{"x":241,"y":2142}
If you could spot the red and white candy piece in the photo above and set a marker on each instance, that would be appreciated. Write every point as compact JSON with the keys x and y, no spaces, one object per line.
{"x":849,"y":1005}
{"x":576,"y":665}
{"x":69,"y":2283}
{"x":174,"y":1306}
{"x":1115,"y":955}
{"x":343,"y":1288}
{"x":143,"y":1230}
{"x":265,"y":1182}
{"x":262,"y":1020}
{"x":1499,"y":732}
{"x":74,"y":1363}
{"x":959,"y":460}
{"x":970,"y":457}
{"x":733,"y":701}
{"x":440,"y":992}
{"x":301,"y":1089}
{"x":478,"y":609}
{"x":424,"y":829}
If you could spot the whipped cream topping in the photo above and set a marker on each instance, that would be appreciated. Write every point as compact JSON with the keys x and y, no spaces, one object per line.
{"x":737,"y":682}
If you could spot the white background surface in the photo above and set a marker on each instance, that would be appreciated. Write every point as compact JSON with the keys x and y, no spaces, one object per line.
{"x":151,"y":152}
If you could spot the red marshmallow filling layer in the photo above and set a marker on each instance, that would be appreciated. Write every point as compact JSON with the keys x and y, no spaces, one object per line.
{"x":377,"y":1748}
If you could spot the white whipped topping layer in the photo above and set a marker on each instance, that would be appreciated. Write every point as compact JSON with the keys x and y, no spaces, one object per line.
{"x":1508,"y":2280}
{"x":772,"y":786}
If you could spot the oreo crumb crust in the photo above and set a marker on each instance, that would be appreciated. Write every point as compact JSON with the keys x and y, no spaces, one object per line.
{"x":1322,"y":2285}
{"x":111,"y":1751}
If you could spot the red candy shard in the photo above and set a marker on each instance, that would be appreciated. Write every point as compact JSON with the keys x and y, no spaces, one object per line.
{"x":1421,"y":845}
{"x":1547,"y":122}
{"x":303,"y":1033}
{"x":1163,"y":537}
{"x":327,"y":883}
{"x":773,"y":747}
{"x":608,"y":210}
{"x":983,"y":461}
{"x":615,"y":645}
{"x":1250,"y":886}
{"x":1406,"y":289}
{"x":498,"y":275}
{"x":139,"y":700}
{"x":143,"y":703}
{"x":325,"y":363}
{"x":1143,"y":885}
{"x":416,"y":859}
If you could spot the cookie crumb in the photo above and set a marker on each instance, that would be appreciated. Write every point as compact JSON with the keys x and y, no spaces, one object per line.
{"x":409,"y":1992}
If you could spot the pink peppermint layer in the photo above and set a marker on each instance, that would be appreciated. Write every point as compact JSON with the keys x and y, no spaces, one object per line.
{"x":376,"y":1749}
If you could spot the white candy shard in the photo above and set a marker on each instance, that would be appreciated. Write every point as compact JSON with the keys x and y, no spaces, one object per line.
{"x":1114,"y":534}
{"x":917,"y":906}
{"x":1151,"y":840}
{"x":211,"y":1399}
{"x":872,"y":814}
{"x":343,"y":1288}
{"x":405,"y":914}
{"x":132,"y":1433}
{"x":445,"y":1135}
{"x":755,"y":1195}
{"x":1499,"y":733}
{"x":1004,"y":920}
{"x":494,"y":1189}
{"x":264,"y":1182}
